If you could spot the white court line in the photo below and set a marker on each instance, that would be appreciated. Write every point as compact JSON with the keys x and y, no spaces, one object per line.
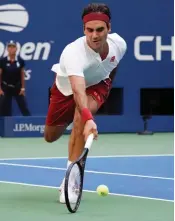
{"x":89,"y":191}
{"x":106,"y":156}
{"x":87,"y":171}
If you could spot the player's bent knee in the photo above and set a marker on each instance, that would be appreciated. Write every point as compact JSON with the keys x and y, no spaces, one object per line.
{"x":53,"y":133}
{"x":49,"y":138}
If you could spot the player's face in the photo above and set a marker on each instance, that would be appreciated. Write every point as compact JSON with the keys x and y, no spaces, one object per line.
{"x":96,"y":33}
{"x":11,"y":50}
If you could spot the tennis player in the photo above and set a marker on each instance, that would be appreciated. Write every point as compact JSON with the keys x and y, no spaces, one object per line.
{"x":84,"y":77}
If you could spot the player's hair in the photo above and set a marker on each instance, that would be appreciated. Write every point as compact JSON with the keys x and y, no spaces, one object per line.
{"x":97,"y":7}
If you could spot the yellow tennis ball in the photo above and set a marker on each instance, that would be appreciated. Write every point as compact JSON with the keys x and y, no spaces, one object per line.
{"x":102,"y":190}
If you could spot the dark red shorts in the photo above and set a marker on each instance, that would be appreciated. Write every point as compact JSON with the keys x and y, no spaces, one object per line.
{"x":61,"y":109}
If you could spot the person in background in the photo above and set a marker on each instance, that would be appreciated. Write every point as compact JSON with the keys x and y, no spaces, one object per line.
{"x":12,"y":82}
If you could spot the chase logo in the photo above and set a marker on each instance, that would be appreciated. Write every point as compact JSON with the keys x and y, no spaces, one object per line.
{"x":13,"y":17}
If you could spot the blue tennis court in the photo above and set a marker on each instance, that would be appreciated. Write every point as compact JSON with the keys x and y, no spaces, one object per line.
{"x":137,"y":176}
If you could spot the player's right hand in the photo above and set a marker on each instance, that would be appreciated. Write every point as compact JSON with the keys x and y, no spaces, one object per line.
{"x":1,"y":92}
{"x":90,"y":127}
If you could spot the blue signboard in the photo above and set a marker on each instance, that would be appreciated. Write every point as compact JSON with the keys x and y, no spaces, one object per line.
{"x":43,"y":28}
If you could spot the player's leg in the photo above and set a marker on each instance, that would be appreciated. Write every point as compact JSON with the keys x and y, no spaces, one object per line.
{"x":53,"y":133}
{"x":97,"y":95}
{"x":60,"y":115}
{"x":76,"y":145}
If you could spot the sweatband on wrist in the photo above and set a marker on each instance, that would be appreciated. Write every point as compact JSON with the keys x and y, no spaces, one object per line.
{"x":86,"y":115}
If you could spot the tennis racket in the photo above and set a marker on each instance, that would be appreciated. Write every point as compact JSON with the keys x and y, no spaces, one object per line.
{"x":78,"y":166}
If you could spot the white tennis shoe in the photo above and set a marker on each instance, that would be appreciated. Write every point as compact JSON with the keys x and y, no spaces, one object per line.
{"x":72,"y":193}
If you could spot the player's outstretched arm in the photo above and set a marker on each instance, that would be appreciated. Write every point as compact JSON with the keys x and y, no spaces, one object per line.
{"x":79,"y":92}
{"x":81,"y":100}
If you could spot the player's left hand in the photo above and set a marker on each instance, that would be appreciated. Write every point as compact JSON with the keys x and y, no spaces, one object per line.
{"x":22,"y":92}
{"x":90,"y":127}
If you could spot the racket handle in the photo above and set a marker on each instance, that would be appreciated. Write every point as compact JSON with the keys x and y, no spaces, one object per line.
{"x":89,"y":141}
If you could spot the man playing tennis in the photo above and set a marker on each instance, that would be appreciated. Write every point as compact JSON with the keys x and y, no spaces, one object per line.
{"x":84,"y":76}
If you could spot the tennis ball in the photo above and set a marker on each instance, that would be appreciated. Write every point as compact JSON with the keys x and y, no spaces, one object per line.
{"x":102,"y":190}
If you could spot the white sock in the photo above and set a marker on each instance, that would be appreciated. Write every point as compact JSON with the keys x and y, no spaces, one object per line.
{"x":68,"y":163}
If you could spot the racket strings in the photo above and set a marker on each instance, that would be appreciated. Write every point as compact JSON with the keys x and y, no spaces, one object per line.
{"x":75,"y":179}
{"x":74,"y":186}
{"x":77,"y":176}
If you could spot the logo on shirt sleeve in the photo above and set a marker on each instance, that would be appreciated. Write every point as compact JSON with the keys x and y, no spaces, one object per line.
{"x":112,"y":59}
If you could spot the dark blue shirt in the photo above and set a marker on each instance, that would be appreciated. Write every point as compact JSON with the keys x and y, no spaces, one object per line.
{"x":11,"y":71}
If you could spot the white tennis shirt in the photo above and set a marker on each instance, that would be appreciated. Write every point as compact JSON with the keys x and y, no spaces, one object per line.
{"x":79,"y":59}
